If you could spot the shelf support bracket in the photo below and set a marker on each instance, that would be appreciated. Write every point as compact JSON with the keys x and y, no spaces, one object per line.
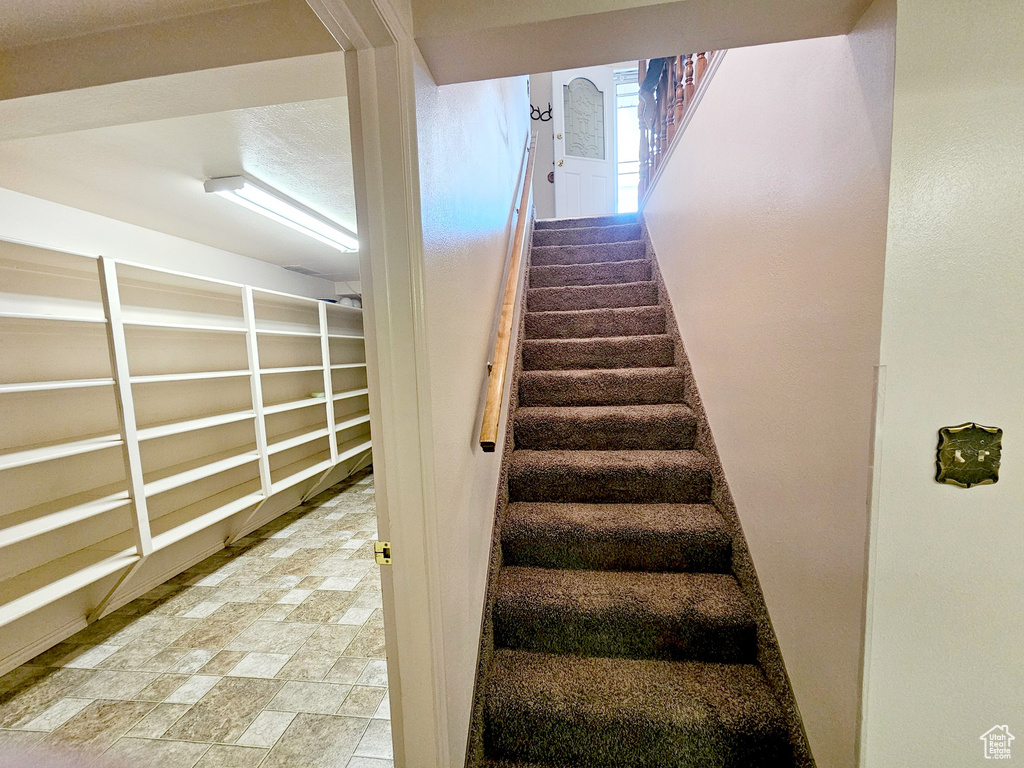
{"x":239,"y":531}
{"x":99,"y":611}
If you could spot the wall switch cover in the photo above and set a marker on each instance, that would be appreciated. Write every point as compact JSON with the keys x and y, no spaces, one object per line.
{"x":969,"y":455}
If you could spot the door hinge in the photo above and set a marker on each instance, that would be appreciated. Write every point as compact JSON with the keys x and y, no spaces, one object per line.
{"x":382,"y":552}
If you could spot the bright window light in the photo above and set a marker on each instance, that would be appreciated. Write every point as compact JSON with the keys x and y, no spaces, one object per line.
{"x":268,"y":202}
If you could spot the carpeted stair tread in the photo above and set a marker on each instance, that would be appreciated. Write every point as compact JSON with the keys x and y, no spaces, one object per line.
{"x":620,"y":635}
{"x":567,"y":297}
{"x":641,"y":713}
{"x":591,"y":323}
{"x":602,"y":273}
{"x":607,"y":220}
{"x":591,"y":253}
{"x":633,"y":614}
{"x":606,"y":352}
{"x":615,"y":233}
{"x":606,"y":427}
{"x":626,"y":537}
{"x":616,"y":386}
{"x":609,"y":476}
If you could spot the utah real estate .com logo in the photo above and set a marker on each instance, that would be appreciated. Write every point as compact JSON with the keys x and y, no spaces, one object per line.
{"x":997,"y":742}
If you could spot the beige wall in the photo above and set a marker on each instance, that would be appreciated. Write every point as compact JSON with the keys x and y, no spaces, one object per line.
{"x":947,"y":574}
{"x":769,"y":226}
{"x":471,"y":142}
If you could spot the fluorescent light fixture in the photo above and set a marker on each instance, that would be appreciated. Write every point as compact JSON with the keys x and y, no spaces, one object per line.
{"x":268,"y":202}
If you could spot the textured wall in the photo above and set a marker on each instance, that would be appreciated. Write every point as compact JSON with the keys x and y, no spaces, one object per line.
{"x":769,"y":226}
{"x":946,"y":614}
{"x":471,"y":141}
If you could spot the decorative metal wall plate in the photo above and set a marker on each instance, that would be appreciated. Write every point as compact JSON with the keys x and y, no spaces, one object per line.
{"x":969,"y":455}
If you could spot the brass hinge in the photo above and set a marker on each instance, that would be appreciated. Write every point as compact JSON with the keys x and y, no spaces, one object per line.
{"x":382,"y":552}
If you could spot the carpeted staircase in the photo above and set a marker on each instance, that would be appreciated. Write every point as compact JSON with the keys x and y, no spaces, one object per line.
{"x":618,"y":634}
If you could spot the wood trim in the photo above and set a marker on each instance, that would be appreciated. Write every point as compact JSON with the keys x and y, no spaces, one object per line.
{"x":691,"y":108}
{"x":503,"y":342}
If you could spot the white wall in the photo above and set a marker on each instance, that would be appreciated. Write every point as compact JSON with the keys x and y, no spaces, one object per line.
{"x":543,"y":190}
{"x":53,"y":225}
{"x":471,"y":142}
{"x":769,"y":227}
{"x":947,"y":573}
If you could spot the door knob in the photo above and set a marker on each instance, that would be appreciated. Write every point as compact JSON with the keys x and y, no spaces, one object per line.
{"x":558,"y":136}
{"x":560,"y":163}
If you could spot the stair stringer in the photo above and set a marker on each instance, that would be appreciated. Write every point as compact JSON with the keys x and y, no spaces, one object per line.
{"x":769,"y":654}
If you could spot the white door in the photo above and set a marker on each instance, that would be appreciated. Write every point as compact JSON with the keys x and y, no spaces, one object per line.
{"x":583,"y":112}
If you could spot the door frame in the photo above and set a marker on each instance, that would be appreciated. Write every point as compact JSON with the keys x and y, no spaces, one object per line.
{"x":379,"y":63}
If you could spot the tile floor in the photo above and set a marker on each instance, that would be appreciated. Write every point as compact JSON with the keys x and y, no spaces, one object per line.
{"x":269,"y":653}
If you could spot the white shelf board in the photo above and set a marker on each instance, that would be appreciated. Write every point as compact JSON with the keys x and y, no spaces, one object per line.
{"x":192,"y":425}
{"x":198,"y":469}
{"x":54,"y":515}
{"x":99,"y":320}
{"x":344,"y":366}
{"x":187,"y":283}
{"x":353,"y":422}
{"x":344,"y":336}
{"x":34,"y":589}
{"x":45,"y":386}
{"x":199,"y":376}
{"x":222,"y":506}
{"x":300,"y":471}
{"x":183,"y":326}
{"x":57,"y":450}
{"x":286,"y":298}
{"x":294,"y":439}
{"x":282,"y":332}
{"x":351,"y":448}
{"x":293,"y":405}
{"x":293,"y":369}
{"x":351,"y":393}
{"x":346,"y":307}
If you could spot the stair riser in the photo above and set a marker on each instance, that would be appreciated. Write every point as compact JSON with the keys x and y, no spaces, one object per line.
{"x":637,"y":550}
{"x":689,"y":635}
{"x":620,"y":432}
{"x":594,"y":388}
{"x":551,"y":255}
{"x":633,"y":321}
{"x":632,"y":352}
{"x":590,"y":274}
{"x":586,"y":221}
{"x":586,"y":235}
{"x":557,"y":738}
{"x":627,"y":485}
{"x":591,"y":297}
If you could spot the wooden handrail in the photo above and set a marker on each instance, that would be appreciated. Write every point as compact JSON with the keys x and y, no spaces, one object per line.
{"x":503,"y":342}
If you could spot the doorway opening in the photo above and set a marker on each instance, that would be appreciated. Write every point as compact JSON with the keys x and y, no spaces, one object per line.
{"x":627,"y":140}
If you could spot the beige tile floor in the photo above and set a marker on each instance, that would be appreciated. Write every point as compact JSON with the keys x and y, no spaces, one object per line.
{"x":269,"y":654}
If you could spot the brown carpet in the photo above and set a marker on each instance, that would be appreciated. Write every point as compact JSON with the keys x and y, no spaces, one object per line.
{"x":618,"y":634}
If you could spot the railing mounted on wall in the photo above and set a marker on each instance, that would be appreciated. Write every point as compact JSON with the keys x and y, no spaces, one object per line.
{"x":669,"y":89}
{"x":498,"y":366}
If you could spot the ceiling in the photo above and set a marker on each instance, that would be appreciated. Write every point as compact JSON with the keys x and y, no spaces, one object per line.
{"x":151,"y":174}
{"x":38,"y":21}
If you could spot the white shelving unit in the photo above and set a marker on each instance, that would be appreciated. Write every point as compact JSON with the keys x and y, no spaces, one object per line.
{"x":144,"y":406}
